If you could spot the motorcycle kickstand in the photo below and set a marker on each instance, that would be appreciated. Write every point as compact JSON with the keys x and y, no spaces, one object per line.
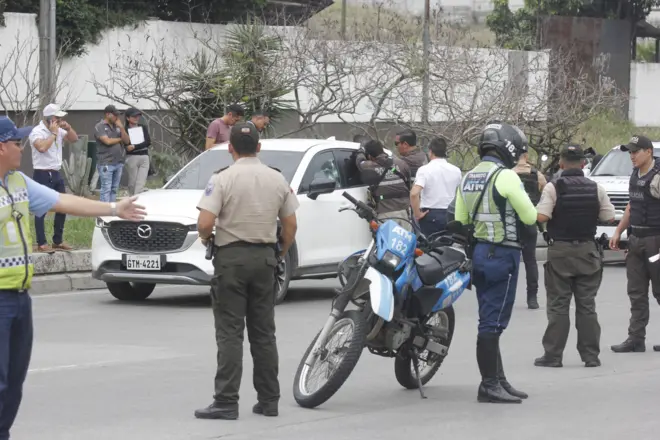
{"x":419,"y":379}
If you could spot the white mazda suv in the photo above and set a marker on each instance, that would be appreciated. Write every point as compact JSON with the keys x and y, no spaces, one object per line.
{"x":132,"y":258}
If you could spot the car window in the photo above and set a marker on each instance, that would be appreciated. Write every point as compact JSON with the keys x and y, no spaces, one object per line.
{"x":347,"y":168}
{"x":617,"y":163}
{"x":322,"y":166}
{"x":197,"y":173}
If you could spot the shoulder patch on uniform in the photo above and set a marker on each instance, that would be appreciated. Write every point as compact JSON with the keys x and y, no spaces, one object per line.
{"x":221,"y":169}
{"x":209,"y":189}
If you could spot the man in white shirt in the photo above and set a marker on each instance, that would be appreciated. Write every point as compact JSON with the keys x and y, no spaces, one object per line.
{"x":434,"y":189}
{"x":46,"y":141}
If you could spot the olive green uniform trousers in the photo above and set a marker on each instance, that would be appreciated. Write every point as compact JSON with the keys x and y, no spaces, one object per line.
{"x":573,"y":269}
{"x":243,"y":293}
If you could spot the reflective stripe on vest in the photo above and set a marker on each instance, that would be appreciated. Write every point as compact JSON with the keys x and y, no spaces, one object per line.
{"x":16,"y":267}
{"x":490,"y":224}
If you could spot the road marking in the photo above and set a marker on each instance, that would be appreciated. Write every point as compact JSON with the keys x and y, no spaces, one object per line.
{"x":102,"y":364}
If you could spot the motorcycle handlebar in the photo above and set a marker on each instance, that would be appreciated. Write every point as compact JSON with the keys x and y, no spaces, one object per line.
{"x":350,"y":198}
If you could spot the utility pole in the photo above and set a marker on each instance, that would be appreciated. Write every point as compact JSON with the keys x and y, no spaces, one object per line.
{"x":425,"y":48}
{"x":47,"y":57}
{"x":343,"y":19}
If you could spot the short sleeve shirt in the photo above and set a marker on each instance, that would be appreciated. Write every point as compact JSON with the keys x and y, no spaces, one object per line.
{"x":247,"y":199}
{"x":219,"y":131}
{"x":50,"y":159}
{"x":549,"y":199}
{"x":41,"y":198}
{"x":108,"y":154}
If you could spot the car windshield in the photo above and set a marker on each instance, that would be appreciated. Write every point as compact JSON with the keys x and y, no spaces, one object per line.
{"x":197,"y":173}
{"x":617,"y":163}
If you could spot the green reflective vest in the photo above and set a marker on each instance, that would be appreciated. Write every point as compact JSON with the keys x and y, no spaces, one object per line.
{"x":495,"y":221}
{"x":16,"y":267}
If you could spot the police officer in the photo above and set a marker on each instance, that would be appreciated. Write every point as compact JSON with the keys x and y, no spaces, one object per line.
{"x":533,"y":182}
{"x":492,"y":198}
{"x":572,"y":205}
{"x":19,"y":197}
{"x":642,"y":219}
{"x":244,"y":202}
{"x":388,"y":179}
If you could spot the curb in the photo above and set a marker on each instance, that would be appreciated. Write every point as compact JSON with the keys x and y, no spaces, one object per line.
{"x":69,"y":271}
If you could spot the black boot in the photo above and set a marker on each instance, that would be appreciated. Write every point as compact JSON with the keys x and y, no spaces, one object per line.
{"x":505,"y":383}
{"x":630,"y":345}
{"x":532,"y":301}
{"x":490,"y":389}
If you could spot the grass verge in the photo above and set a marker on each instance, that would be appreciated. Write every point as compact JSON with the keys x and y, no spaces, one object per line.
{"x":77,"y":231}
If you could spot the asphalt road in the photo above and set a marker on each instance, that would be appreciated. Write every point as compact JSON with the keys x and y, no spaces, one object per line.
{"x":106,"y":370}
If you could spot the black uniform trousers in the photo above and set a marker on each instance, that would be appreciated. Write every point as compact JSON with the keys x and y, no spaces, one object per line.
{"x":244,"y":292}
{"x":573,"y":269}
{"x":640,"y":271}
{"x":528,"y":239}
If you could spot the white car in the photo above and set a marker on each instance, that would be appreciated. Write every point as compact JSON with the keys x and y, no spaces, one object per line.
{"x":132,"y":258}
{"x":613,"y":173}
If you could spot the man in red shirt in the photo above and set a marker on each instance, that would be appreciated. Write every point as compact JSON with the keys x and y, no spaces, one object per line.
{"x":218,"y":131}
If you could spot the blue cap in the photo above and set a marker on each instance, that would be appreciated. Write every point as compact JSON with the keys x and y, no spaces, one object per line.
{"x":9,"y":132}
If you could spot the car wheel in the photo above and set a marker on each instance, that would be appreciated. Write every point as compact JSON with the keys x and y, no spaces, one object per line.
{"x":126,"y":291}
{"x":282,"y":278}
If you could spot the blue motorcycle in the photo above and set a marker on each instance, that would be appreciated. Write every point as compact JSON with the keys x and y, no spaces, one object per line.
{"x":403,"y":287}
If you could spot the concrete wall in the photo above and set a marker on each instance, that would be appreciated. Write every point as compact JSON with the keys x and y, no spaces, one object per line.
{"x":645,"y":94}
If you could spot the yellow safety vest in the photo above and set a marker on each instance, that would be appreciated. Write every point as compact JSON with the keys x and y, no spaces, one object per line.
{"x":16,"y":267}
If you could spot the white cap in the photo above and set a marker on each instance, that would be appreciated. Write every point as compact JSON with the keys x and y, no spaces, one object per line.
{"x":54,"y":110}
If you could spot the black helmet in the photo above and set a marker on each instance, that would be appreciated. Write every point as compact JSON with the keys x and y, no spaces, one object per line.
{"x":507,"y":140}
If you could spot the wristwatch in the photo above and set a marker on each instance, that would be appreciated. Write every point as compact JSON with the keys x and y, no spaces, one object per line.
{"x":113,"y":208}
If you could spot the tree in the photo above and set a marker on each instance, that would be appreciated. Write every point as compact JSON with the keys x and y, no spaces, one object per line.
{"x":518,"y":30}
{"x":189,"y":90}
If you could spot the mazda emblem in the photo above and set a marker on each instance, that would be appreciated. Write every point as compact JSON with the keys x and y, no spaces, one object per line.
{"x":144,"y":231}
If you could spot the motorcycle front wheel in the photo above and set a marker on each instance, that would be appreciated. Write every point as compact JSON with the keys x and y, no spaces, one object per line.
{"x":334,"y":363}
{"x":443,"y":320}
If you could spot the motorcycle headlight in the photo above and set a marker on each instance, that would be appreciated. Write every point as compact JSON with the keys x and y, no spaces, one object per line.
{"x":390,"y":259}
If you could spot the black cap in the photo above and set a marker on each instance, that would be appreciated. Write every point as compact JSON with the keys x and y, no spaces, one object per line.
{"x":244,"y":136}
{"x":638,"y":143}
{"x":111,"y":109}
{"x":132,"y":112}
{"x":572,"y":152}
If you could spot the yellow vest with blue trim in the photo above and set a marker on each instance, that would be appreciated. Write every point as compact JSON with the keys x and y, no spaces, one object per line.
{"x":16,"y":267}
{"x":493,"y":222}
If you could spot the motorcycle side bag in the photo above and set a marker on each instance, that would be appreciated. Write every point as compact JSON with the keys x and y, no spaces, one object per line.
{"x":436,"y":265}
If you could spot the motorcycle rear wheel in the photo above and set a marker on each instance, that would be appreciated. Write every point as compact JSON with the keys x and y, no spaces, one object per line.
{"x":403,"y":367}
{"x":311,"y":399}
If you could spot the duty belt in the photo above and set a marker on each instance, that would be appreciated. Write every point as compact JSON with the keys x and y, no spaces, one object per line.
{"x":247,"y":244}
{"x":642,"y":232}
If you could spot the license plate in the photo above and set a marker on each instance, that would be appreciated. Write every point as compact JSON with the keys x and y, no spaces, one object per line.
{"x":143,"y":262}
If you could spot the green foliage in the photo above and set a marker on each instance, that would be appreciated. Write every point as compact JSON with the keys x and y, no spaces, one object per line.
{"x":81,"y":22}
{"x":518,"y":30}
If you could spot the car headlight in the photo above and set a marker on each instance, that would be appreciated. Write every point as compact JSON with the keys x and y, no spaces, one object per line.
{"x":390,"y":259}
{"x":100,"y":223}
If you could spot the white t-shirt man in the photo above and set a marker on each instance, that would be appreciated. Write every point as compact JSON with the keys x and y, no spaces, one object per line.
{"x":439,"y":180}
{"x":50,"y":159}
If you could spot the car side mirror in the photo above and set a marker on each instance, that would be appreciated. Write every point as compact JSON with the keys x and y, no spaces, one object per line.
{"x":321,"y":186}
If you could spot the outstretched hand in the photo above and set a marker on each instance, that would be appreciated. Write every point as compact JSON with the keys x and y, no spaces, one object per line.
{"x":129,"y":210}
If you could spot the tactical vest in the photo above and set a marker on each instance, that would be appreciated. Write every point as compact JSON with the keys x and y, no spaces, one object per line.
{"x":575,"y":217}
{"x":495,"y":221}
{"x":16,"y":267}
{"x":644,"y":208}
{"x":531,"y":183}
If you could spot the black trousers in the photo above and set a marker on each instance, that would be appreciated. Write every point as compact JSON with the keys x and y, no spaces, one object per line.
{"x":53,"y":180}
